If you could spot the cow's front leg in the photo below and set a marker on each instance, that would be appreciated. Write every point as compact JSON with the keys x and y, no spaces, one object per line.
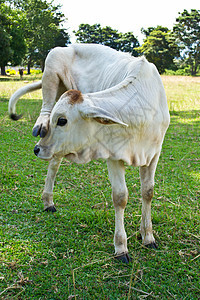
{"x":147,"y":187}
{"x":47,"y":195}
{"x":116,"y":171}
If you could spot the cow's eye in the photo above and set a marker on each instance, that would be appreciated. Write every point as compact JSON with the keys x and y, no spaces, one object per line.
{"x":62,"y":122}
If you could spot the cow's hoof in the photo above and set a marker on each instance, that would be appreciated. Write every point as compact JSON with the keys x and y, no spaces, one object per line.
{"x":51,"y":209}
{"x":43,"y":132}
{"x":124,"y":257}
{"x":15,"y":117}
{"x":36,"y":130}
{"x":151,"y":246}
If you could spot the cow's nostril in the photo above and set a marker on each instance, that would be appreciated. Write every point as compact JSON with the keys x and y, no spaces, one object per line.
{"x":36,"y":150}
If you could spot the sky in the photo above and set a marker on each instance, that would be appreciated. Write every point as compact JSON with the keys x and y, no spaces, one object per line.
{"x":124,"y":15}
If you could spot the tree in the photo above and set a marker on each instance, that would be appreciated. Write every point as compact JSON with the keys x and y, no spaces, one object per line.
{"x":187,"y":32}
{"x":129,"y":43}
{"x":43,"y":29}
{"x":108,"y":37}
{"x":29,"y":30}
{"x":5,"y":49}
{"x":12,"y":42}
{"x":159,"y":47}
{"x":147,"y":31}
{"x":89,"y":34}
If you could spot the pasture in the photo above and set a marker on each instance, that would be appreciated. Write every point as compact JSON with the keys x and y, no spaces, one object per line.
{"x":69,"y":254}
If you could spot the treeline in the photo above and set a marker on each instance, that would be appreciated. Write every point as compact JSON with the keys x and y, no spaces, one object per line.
{"x":29,"y":29}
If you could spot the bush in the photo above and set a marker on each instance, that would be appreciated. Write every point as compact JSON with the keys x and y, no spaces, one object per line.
{"x":180,"y":72}
{"x":33,"y":71}
{"x":10,"y":72}
{"x":36,"y":71}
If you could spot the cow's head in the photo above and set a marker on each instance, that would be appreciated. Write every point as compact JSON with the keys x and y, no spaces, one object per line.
{"x":74,"y":121}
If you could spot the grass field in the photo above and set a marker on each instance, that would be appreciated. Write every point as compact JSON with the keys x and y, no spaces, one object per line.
{"x":69,"y":254}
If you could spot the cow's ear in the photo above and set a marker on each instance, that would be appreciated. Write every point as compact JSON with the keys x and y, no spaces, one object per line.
{"x":100,"y":115}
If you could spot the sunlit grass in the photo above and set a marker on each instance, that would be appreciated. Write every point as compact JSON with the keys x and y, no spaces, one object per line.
{"x":183,"y":92}
{"x":9,"y":84}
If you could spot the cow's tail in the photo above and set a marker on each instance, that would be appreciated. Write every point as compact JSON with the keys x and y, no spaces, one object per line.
{"x":19,"y":93}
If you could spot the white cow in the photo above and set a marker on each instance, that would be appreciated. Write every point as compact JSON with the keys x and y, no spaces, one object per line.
{"x":122,"y":124}
{"x":85,"y":67}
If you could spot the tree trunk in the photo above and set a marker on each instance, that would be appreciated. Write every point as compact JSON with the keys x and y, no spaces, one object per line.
{"x":29,"y":68}
{"x":192,"y":69}
{"x":3,"y":70}
{"x":42,"y":65}
{"x":195,"y":66}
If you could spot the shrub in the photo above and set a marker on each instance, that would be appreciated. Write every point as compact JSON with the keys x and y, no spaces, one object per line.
{"x":10,"y":72}
{"x":36,"y":71}
{"x":33,"y":71}
{"x":180,"y":72}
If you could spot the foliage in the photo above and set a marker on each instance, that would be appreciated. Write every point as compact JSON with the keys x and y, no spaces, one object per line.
{"x":69,"y":254}
{"x":33,"y":71}
{"x":13,"y":72}
{"x":42,"y":29}
{"x":12,"y":42}
{"x":159,"y":47}
{"x":147,"y":31}
{"x":182,"y":72}
{"x":108,"y":37}
{"x":5,"y":49}
{"x":187,"y":32}
{"x":29,"y":30}
{"x":10,"y":72}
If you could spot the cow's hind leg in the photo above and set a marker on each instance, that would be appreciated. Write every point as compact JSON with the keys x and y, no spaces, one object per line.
{"x":51,"y":91}
{"x":147,"y":187}
{"x":47,"y":195}
{"x":116,"y":172}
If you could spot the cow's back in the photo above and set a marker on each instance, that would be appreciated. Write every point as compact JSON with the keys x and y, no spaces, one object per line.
{"x":96,"y":67}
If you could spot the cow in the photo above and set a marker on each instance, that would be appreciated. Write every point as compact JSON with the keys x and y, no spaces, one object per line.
{"x":85,"y":67}
{"x":123,"y":124}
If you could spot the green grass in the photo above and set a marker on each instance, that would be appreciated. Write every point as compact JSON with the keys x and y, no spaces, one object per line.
{"x":69,"y":254}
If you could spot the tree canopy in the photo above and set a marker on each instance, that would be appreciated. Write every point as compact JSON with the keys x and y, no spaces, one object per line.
{"x":12,"y":42}
{"x":42,"y":30}
{"x":107,"y":36}
{"x":32,"y":33}
{"x":187,"y":32}
{"x":160,"y":47}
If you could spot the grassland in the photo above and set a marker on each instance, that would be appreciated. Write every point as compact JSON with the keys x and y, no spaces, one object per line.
{"x":69,"y":254}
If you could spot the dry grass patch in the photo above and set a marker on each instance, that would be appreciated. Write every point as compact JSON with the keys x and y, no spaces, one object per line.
{"x":183,"y":92}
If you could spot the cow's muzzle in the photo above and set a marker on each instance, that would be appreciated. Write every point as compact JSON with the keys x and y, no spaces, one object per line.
{"x":36,"y":150}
